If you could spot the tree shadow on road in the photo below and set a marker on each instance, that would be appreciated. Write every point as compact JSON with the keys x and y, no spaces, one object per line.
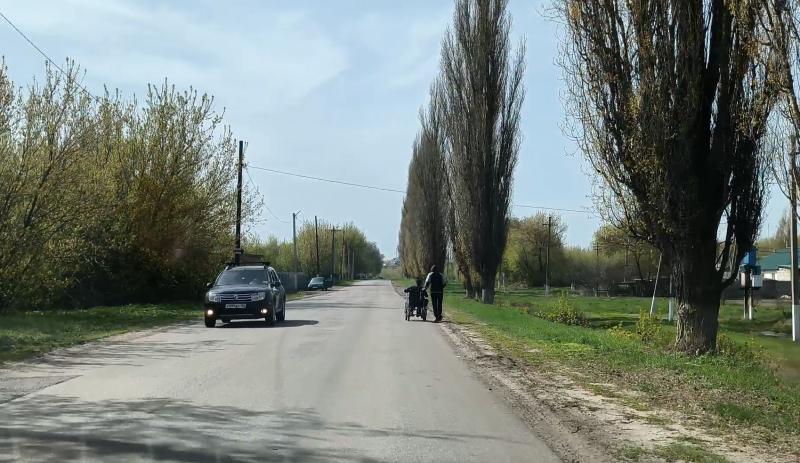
{"x":54,"y":428}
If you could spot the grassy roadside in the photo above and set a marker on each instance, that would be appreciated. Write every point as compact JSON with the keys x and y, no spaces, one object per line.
{"x":27,"y":333}
{"x":24,"y":334}
{"x":723,"y":393}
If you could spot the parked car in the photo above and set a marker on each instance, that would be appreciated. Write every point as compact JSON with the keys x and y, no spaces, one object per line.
{"x":245,"y":292}
{"x":318,"y":283}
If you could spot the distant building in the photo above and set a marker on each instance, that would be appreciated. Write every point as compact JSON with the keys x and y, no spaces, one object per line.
{"x":775,"y":265}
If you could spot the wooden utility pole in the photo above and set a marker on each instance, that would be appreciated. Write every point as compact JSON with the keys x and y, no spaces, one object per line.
{"x":316,"y":235}
{"x":237,"y":252}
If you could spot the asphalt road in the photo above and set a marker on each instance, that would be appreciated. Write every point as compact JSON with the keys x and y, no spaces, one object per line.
{"x":345,"y":378}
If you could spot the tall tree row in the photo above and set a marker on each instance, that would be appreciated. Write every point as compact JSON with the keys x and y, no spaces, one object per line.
{"x":423,"y":235}
{"x":671,"y":101}
{"x":477,"y":102}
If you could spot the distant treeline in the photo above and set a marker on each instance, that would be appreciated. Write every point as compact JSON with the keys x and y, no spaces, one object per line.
{"x":105,"y":200}
{"x":612,"y":258}
{"x":354,"y":253}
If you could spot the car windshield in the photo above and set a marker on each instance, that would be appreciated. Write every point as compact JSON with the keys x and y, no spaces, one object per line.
{"x":242,"y":276}
{"x":317,"y":280}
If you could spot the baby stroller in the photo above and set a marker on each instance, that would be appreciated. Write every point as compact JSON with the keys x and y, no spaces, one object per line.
{"x":416,"y":303}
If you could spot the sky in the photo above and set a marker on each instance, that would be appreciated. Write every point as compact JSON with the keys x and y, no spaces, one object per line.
{"x":321,"y":88}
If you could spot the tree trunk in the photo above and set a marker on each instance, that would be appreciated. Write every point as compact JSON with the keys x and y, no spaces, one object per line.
{"x":698,"y":293}
{"x":469,"y":288}
{"x":487,"y":283}
{"x":697,"y":326}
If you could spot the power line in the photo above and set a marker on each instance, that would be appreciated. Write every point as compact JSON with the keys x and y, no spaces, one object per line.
{"x":581,"y":211}
{"x":46,"y":57}
{"x":250,"y":179}
{"x":320,"y":179}
{"x":393,"y":190}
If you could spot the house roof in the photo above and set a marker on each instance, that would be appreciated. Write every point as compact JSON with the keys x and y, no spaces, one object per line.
{"x":779,"y":258}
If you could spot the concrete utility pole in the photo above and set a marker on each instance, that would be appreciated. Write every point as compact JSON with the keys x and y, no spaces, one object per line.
{"x":547,"y":258}
{"x":237,"y":252}
{"x":671,"y":313}
{"x":294,"y":241}
{"x":748,"y":295}
{"x":793,"y":241}
{"x":333,"y":252}
{"x":344,"y":265}
{"x":316,"y":235}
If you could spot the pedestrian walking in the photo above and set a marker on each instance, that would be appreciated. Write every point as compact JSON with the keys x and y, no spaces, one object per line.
{"x":435,"y":282}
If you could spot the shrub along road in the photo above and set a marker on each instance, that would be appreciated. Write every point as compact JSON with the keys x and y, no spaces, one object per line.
{"x":344,"y":378}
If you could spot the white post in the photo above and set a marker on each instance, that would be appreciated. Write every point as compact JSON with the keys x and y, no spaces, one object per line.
{"x":747,"y":290}
{"x":671,"y":313}
{"x":655,"y":286}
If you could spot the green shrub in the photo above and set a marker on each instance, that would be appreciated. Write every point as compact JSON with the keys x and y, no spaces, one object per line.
{"x":648,"y":327}
{"x":745,"y":352}
{"x":564,"y":312}
{"x":620,"y":332}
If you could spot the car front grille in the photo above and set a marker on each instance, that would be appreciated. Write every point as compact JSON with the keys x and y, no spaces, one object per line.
{"x":236,"y":297}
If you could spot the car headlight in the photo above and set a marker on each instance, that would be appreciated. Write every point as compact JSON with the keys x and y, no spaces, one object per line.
{"x":212,"y":297}
{"x":258,"y":296}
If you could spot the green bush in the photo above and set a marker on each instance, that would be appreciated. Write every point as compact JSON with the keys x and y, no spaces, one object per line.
{"x":620,"y":332}
{"x":740,"y":352}
{"x":564,"y":312}
{"x":648,"y":327}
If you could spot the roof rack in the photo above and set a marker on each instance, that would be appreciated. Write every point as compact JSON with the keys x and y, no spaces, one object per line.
{"x":246,"y":264}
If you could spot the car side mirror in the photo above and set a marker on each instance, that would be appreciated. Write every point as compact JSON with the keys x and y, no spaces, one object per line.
{"x":209,"y":285}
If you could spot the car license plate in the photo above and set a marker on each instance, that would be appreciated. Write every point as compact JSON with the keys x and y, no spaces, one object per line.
{"x":235,"y":306}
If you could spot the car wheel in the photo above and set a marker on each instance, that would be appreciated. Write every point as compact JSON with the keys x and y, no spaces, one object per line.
{"x":270,"y":318}
{"x":282,"y":314}
{"x":211,"y":322}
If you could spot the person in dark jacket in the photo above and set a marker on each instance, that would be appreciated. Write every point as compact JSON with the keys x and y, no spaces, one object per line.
{"x":436,"y":282}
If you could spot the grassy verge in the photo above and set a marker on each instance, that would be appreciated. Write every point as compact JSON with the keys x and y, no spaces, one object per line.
{"x":24,"y":334}
{"x":722,"y":392}
{"x":607,"y":312}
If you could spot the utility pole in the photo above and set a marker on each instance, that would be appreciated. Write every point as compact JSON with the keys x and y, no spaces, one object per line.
{"x":671,"y":311}
{"x":748,"y":295}
{"x":316,"y":234}
{"x":333,"y":252}
{"x":793,"y":240}
{"x":344,"y":264}
{"x":237,"y":252}
{"x":547,"y":258}
{"x":294,"y":241}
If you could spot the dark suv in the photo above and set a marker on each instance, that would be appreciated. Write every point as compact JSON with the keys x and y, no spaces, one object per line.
{"x":245,"y":292}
